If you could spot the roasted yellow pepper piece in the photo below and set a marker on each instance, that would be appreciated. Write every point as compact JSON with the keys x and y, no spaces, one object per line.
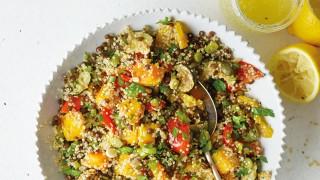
{"x":181,"y":37}
{"x":225,"y":160}
{"x":130,"y":136}
{"x":73,"y":125}
{"x":125,"y":168}
{"x":95,"y":160}
{"x":148,"y":74}
{"x":144,"y":137}
{"x":264,"y":128}
{"x":132,"y":109}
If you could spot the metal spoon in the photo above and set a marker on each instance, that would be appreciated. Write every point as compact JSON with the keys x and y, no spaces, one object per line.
{"x":200,"y":92}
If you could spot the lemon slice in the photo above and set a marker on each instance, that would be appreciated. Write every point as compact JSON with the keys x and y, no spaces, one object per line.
{"x":296,"y":72}
{"x":307,"y":25}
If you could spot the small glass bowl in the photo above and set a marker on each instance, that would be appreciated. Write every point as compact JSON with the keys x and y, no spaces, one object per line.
{"x":232,"y":12}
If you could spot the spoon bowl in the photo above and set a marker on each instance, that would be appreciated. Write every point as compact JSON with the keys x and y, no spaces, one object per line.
{"x":200,"y":92}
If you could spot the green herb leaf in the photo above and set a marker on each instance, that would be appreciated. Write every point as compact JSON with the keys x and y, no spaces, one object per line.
{"x":235,"y":133}
{"x":208,"y":147}
{"x":86,"y":56}
{"x":166,"y":21}
{"x":120,"y":81}
{"x":175,"y":157}
{"x":183,"y":117}
{"x":162,"y":56}
{"x":263,"y":159}
{"x":124,"y":150}
{"x":242,"y":172}
{"x":115,"y":60}
{"x":251,"y":136}
{"x":112,"y":78}
{"x":235,"y":65}
{"x":152,"y":164}
{"x":142,"y":178}
{"x":100,"y":117}
{"x":181,"y":170}
{"x":134,"y":89}
{"x":185,"y":136}
{"x":156,"y":54}
{"x":162,"y":146}
{"x":172,"y":47}
{"x":96,"y":123}
{"x":71,"y":172}
{"x":162,"y":120}
{"x":71,"y":148}
{"x":175,"y":132}
{"x":219,"y":85}
{"x":163,"y":89}
{"x":225,"y":103}
{"x":238,"y":121}
{"x":262,"y":111}
{"x":88,"y":69}
{"x":204,"y":138}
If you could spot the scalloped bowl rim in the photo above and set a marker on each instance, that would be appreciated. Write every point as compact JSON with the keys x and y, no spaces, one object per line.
{"x":263,"y":89}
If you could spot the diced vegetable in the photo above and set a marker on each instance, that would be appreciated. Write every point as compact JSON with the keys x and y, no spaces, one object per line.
{"x":245,"y":74}
{"x":247,"y":101}
{"x":137,"y":42}
{"x":225,"y":160}
{"x":107,"y":115}
{"x":180,"y":37}
{"x":211,"y":47}
{"x":157,"y":170}
{"x":228,"y":141}
{"x":73,"y":125}
{"x":155,"y":104}
{"x":125,"y":168}
{"x":132,"y":110}
{"x":168,"y":34}
{"x":264,"y":128}
{"x":134,"y":89}
{"x":144,"y":135}
{"x":198,"y":57}
{"x":185,"y":78}
{"x":106,"y":92}
{"x":130,"y":136}
{"x":95,"y":160}
{"x":74,"y":103}
{"x":148,"y":74}
{"x":178,"y":143}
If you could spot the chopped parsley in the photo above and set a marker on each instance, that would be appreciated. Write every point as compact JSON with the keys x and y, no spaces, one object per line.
{"x":175,"y":132}
{"x":219,"y":85}
{"x":262,"y":111}
{"x":166,"y":21}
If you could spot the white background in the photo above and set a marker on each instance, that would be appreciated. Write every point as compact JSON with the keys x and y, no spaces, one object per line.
{"x":35,"y":36}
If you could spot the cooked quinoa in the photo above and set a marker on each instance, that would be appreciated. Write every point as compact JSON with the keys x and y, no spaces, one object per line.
{"x":126,"y":111}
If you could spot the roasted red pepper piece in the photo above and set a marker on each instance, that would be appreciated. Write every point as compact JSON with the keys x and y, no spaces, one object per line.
{"x":108,"y":120}
{"x":181,"y":142}
{"x":245,"y":74}
{"x":74,"y":102}
{"x":226,"y":135}
{"x":254,"y":147}
{"x":161,"y":105}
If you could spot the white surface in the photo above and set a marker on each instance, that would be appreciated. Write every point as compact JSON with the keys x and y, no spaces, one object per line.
{"x":35,"y":36}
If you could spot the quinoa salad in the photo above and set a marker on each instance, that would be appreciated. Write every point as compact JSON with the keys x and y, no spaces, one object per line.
{"x":126,"y":112}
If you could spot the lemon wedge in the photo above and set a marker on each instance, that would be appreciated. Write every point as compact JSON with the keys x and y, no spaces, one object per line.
{"x":296,"y":72}
{"x":307,"y":25}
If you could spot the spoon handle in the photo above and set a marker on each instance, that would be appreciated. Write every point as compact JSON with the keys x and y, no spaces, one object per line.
{"x":214,"y":170}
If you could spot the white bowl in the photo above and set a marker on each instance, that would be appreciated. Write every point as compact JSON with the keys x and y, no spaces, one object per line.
{"x":263,"y":89}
